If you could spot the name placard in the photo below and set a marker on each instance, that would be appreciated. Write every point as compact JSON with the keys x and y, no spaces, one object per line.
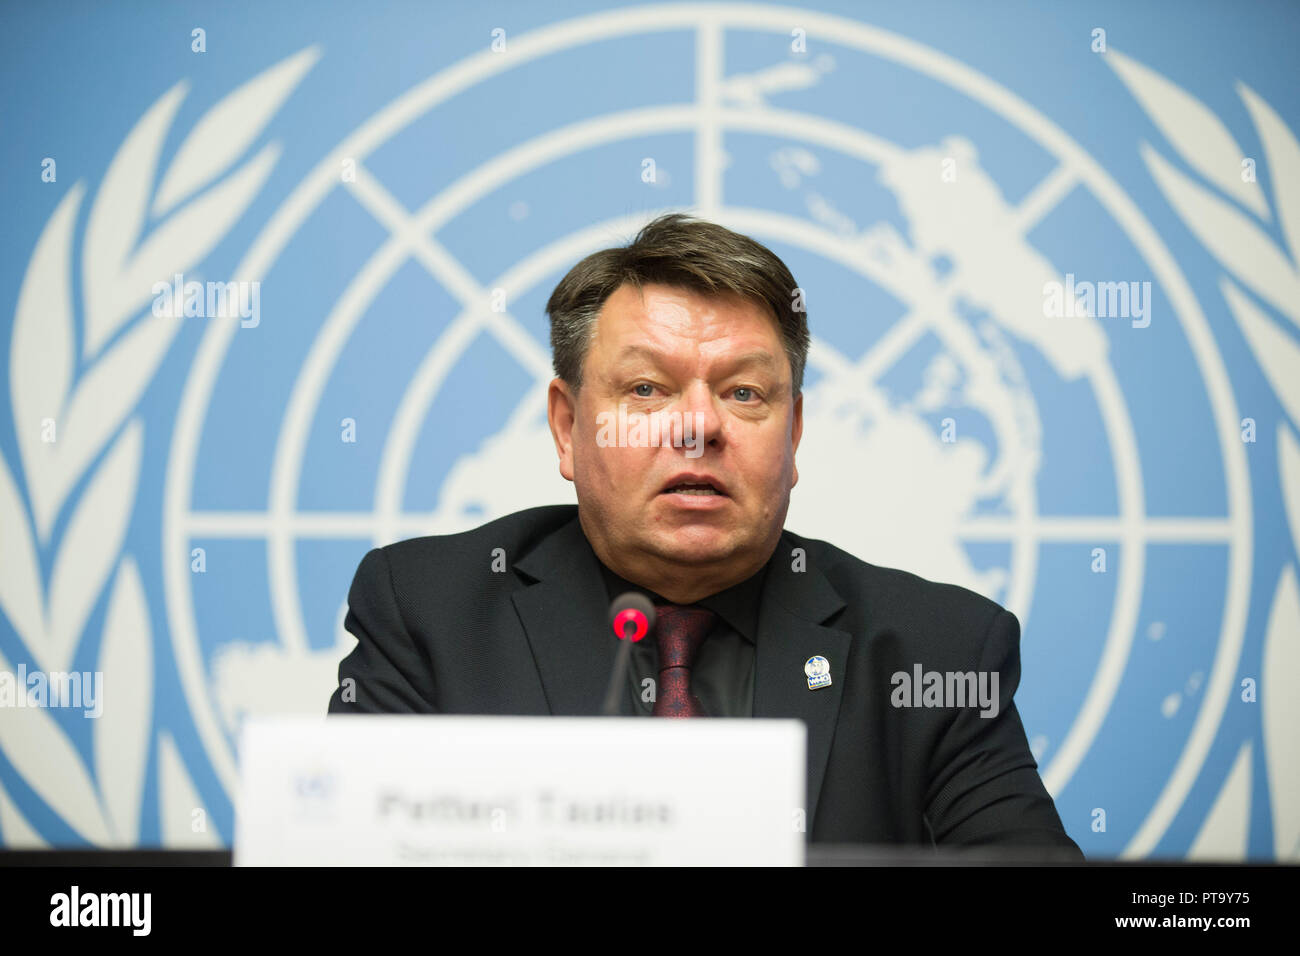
{"x":415,"y":790}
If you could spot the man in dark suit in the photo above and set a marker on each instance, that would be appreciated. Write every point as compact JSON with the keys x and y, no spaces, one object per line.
{"x":677,"y":411}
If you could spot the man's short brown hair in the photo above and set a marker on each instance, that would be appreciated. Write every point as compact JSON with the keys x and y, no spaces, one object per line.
{"x":682,"y":251}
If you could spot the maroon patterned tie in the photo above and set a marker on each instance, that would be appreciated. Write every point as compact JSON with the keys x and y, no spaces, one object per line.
{"x":679,"y":633}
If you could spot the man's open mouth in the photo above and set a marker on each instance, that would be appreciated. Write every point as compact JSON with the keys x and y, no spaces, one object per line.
{"x":693,"y":490}
{"x":694,"y":484}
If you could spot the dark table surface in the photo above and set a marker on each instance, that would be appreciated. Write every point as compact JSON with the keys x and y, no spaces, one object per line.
{"x":817,"y":855}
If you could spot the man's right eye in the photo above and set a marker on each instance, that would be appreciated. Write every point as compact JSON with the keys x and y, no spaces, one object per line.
{"x":649,"y":389}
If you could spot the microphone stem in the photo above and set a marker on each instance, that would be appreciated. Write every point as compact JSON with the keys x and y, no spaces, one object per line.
{"x":617,"y":679}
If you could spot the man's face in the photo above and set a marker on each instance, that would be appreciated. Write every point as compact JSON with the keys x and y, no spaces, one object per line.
{"x":714,"y":362}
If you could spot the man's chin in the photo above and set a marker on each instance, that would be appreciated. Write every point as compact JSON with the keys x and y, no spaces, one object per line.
{"x":696,"y":546}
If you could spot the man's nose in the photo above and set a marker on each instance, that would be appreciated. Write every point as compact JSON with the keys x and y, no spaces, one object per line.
{"x":699,"y":405}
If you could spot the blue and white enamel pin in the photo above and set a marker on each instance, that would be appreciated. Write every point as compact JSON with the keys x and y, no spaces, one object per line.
{"x":818,"y":670}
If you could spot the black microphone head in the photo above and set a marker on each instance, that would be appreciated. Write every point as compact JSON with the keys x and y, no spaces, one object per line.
{"x":631,"y":615}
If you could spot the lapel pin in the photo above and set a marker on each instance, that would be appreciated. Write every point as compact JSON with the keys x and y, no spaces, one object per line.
{"x":818,"y":670}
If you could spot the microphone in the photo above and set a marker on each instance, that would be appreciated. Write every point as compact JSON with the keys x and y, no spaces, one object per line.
{"x":632,"y":617}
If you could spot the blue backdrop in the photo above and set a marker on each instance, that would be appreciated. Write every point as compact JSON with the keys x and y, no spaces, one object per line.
{"x":386,"y":195}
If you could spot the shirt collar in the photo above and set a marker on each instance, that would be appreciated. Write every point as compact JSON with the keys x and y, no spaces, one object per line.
{"x":738,"y":605}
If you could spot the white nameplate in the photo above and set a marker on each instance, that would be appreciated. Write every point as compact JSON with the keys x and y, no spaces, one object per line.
{"x":410,"y":790}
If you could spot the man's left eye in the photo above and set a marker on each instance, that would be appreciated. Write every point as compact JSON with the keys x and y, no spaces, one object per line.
{"x":744,"y":394}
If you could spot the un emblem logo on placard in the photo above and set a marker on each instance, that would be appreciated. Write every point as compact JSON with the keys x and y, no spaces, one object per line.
{"x":953,"y":427}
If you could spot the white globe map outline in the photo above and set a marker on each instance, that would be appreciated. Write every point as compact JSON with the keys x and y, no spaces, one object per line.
{"x":410,"y":238}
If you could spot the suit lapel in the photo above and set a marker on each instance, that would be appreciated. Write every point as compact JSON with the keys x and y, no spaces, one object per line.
{"x":790,"y":631}
{"x":563,"y":616}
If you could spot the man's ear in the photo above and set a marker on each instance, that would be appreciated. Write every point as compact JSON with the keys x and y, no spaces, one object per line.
{"x":561,"y":410}
{"x":796,"y":432}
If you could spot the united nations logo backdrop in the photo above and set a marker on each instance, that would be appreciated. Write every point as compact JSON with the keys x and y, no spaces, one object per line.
{"x":276,"y":278}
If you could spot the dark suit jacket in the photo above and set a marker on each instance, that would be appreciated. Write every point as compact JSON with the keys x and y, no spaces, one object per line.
{"x":439,"y":631}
